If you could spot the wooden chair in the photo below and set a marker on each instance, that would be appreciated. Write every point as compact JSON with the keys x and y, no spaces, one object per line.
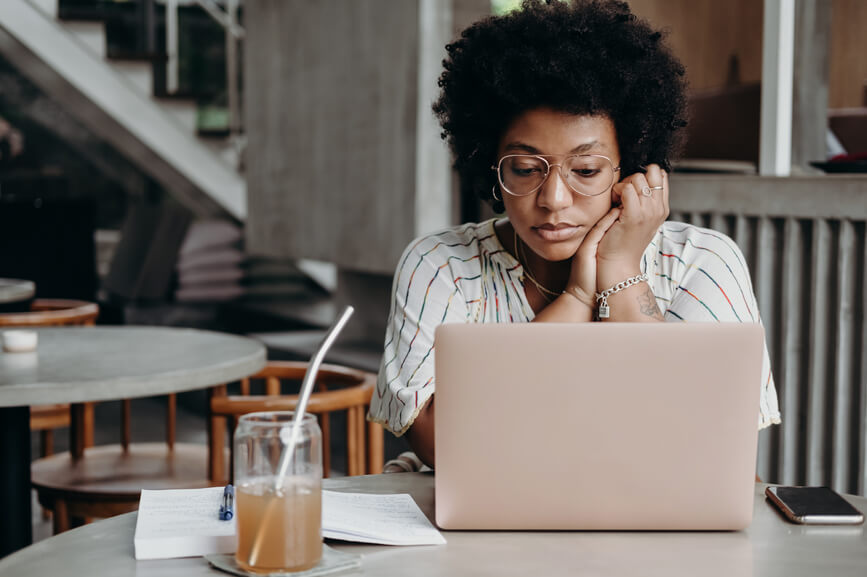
{"x":107,"y":480}
{"x":56,"y":312}
{"x":53,"y":312}
{"x":337,"y":389}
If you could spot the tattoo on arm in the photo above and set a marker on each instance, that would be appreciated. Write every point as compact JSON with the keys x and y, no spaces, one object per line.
{"x":647,"y":302}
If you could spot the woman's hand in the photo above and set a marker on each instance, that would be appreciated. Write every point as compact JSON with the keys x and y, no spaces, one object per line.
{"x":582,"y":279}
{"x":643,"y":200}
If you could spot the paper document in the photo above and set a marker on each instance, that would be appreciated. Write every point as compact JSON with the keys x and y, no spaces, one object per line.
{"x":384,"y":519}
{"x":182,"y":523}
{"x":185,"y":522}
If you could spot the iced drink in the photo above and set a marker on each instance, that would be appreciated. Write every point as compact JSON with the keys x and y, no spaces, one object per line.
{"x":279,"y":530}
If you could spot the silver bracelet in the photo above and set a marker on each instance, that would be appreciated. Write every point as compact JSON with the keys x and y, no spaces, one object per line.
{"x":602,"y":298}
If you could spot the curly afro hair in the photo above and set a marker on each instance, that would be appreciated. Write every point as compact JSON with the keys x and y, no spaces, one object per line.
{"x":581,"y":57}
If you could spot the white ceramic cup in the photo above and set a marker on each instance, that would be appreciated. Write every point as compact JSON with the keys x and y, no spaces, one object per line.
{"x":20,"y":341}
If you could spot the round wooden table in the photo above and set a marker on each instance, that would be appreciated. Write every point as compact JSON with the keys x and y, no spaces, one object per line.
{"x":78,"y":364}
{"x":771,"y":546}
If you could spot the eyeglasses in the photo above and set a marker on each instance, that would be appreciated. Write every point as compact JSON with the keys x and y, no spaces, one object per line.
{"x":585,"y":174}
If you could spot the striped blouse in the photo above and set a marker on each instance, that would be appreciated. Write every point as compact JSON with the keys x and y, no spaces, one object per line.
{"x":464,"y":274}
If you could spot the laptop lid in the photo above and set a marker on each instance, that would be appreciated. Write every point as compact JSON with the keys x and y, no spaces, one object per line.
{"x":596,"y":426}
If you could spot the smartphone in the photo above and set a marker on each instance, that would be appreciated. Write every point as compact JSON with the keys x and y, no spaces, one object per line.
{"x":814,"y":506}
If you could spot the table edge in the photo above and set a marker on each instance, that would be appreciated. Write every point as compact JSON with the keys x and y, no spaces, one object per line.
{"x":170,"y":382}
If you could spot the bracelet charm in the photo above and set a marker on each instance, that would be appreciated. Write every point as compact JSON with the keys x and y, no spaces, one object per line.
{"x":602,"y":298}
{"x":604,"y":313}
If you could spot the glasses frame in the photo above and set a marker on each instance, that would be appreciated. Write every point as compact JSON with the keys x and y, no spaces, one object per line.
{"x":548,"y":167}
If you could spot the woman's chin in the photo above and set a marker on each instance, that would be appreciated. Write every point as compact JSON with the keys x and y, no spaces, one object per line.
{"x":558,"y":252}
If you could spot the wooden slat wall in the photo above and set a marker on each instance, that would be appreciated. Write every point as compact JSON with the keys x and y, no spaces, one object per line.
{"x":848,"y":62}
{"x":704,"y":33}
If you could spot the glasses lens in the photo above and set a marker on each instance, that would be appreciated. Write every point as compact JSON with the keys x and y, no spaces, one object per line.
{"x":588,"y":175}
{"x":522,"y":175}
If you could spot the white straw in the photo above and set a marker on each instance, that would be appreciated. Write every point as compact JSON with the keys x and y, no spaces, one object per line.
{"x":304,"y":396}
{"x":292,"y":434}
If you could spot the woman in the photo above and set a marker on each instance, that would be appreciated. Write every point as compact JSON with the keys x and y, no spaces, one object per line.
{"x":565,"y":116}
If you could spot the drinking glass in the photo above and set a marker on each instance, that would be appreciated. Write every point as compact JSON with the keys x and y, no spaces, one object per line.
{"x":279,"y":522}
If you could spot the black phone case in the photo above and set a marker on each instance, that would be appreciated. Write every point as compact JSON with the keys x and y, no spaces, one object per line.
{"x":814,"y":505}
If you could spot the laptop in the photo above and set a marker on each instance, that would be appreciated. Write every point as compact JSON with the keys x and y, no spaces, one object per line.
{"x":615,"y":426}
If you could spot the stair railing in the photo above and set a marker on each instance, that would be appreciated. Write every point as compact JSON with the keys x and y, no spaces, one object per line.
{"x":228,"y":19}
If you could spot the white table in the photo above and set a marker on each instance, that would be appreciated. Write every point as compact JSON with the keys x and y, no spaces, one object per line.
{"x":771,"y":546}
{"x":78,"y":364}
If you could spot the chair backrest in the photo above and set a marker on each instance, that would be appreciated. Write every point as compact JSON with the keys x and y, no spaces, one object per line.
{"x":338,"y":389}
{"x":53,"y":312}
{"x":68,"y":312}
{"x":59,"y":312}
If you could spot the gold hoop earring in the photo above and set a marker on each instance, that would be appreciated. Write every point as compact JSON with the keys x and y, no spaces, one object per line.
{"x":494,"y":193}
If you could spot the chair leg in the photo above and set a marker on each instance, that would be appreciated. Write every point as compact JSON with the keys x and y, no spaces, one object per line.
{"x":231,"y":422}
{"x":125,"y":425}
{"x":216,"y":453}
{"x":325,"y":426}
{"x":375,"y":448}
{"x":88,"y":424}
{"x":351,"y":442}
{"x":46,"y":442}
{"x":46,"y":448}
{"x":361,"y":465}
{"x":61,"y":517}
{"x":272,"y":386}
{"x":216,"y":439}
{"x":171,"y":417}
{"x":78,"y":417}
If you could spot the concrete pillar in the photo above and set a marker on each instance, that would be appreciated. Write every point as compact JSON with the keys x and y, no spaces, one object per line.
{"x":344,"y":159}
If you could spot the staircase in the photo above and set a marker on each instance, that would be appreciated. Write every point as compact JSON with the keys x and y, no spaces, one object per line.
{"x":68,"y":61}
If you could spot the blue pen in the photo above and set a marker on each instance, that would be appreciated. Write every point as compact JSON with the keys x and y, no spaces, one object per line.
{"x":227,"y":507}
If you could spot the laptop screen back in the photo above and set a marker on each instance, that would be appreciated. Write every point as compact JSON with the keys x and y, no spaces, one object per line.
{"x":596,"y":426}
